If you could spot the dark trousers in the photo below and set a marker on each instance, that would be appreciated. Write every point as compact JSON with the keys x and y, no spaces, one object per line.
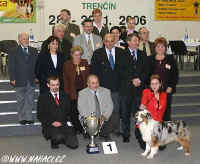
{"x":167,"y":115}
{"x":129,"y":105}
{"x":75,"y":116}
{"x":115,"y":117}
{"x":106,"y":128}
{"x":63,"y":135}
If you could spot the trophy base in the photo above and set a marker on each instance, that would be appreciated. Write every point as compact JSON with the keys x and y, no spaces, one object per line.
{"x":93,"y":149}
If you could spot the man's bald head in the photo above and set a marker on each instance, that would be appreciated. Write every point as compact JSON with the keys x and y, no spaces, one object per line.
{"x":93,"y":82}
{"x":23,"y":39}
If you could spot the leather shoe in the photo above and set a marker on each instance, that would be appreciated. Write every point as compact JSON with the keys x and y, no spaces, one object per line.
{"x":53,"y":145}
{"x":23,"y":122}
{"x":30,"y":122}
{"x":126,"y":139}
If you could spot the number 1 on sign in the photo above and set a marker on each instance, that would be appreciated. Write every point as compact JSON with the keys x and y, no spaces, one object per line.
{"x":109,"y":147}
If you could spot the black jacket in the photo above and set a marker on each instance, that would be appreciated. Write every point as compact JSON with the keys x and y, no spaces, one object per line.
{"x":172,"y":73}
{"x":48,"y":111}
{"x":138,"y":69}
{"x":100,"y":66}
{"x":21,"y":66}
{"x":45,"y":68}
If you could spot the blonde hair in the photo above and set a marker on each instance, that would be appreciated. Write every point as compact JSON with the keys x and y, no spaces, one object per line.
{"x":76,"y":48}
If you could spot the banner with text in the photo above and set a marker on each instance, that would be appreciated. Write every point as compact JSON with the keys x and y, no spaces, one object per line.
{"x":188,"y":10}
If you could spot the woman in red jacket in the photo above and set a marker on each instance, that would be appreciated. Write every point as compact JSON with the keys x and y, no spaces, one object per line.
{"x":155,"y":101}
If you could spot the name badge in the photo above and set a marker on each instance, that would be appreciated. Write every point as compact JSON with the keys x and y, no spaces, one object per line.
{"x":82,"y":68}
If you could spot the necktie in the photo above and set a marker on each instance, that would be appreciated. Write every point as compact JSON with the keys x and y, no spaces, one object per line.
{"x":56,"y":99}
{"x":134,"y":57}
{"x":97,"y":105}
{"x":90,"y":47}
{"x":111,"y":60}
{"x":144,"y":48}
{"x":25,"y":50}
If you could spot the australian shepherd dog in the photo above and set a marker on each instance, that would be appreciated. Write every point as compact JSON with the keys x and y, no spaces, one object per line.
{"x":157,"y":134}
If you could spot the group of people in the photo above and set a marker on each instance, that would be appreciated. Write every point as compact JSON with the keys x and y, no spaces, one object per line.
{"x":110,"y":73}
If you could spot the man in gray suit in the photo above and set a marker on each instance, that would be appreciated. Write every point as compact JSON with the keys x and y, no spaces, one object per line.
{"x":88,"y":41}
{"x":96,"y":99}
{"x":21,"y":65}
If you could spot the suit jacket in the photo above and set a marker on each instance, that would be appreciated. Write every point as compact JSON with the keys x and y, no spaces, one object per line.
{"x":86,"y":102}
{"x":138,"y":69}
{"x":125,"y":34}
{"x":45,"y":68}
{"x":82,"y":42}
{"x":103,"y":31}
{"x":69,"y":75}
{"x":64,"y":48}
{"x":21,"y":67}
{"x":100,"y":66}
{"x":71,"y":31}
{"x":48,"y":111}
{"x":172,"y":74}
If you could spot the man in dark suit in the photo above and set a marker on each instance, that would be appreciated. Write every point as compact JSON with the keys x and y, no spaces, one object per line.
{"x":71,"y":30}
{"x":99,"y":28}
{"x":64,"y":44}
{"x":49,"y":64}
{"x":145,"y":45}
{"x":136,"y":79}
{"x":21,"y":65}
{"x":108,"y":64}
{"x":54,"y":114}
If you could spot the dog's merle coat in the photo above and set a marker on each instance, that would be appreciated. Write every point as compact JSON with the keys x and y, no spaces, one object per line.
{"x":156,"y":134}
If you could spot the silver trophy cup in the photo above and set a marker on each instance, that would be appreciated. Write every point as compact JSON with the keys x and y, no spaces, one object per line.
{"x":91,"y":125}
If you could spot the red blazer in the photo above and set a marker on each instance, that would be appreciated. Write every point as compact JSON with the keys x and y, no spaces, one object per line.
{"x":156,"y":109}
{"x":69,"y":75}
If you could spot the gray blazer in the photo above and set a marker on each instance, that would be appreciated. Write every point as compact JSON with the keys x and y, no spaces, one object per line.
{"x":86,"y":102}
{"x":21,"y":67}
{"x":81,"y":41}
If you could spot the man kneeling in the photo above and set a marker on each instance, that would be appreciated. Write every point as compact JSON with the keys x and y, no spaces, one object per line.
{"x":54,"y":114}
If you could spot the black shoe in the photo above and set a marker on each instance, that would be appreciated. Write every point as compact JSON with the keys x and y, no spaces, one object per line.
{"x":30,"y":122}
{"x":117,"y":134}
{"x":126,"y":139}
{"x":161,"y":148}
{"x":54,"y":146}
{"x":107,"y":138}
{"x":23,"y":122}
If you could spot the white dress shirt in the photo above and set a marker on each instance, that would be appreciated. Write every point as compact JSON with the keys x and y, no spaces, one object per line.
{"x":54,"y":59}
{"x":53,"y":94}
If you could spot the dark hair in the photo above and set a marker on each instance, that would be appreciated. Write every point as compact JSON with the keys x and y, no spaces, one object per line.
{"x":115,"y":28}
{"x":67,"y":11}
{"x":130,"y":36}
{"x":51,"y":39}
{"x":52,"y":77}
{"x":86,"y":20}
